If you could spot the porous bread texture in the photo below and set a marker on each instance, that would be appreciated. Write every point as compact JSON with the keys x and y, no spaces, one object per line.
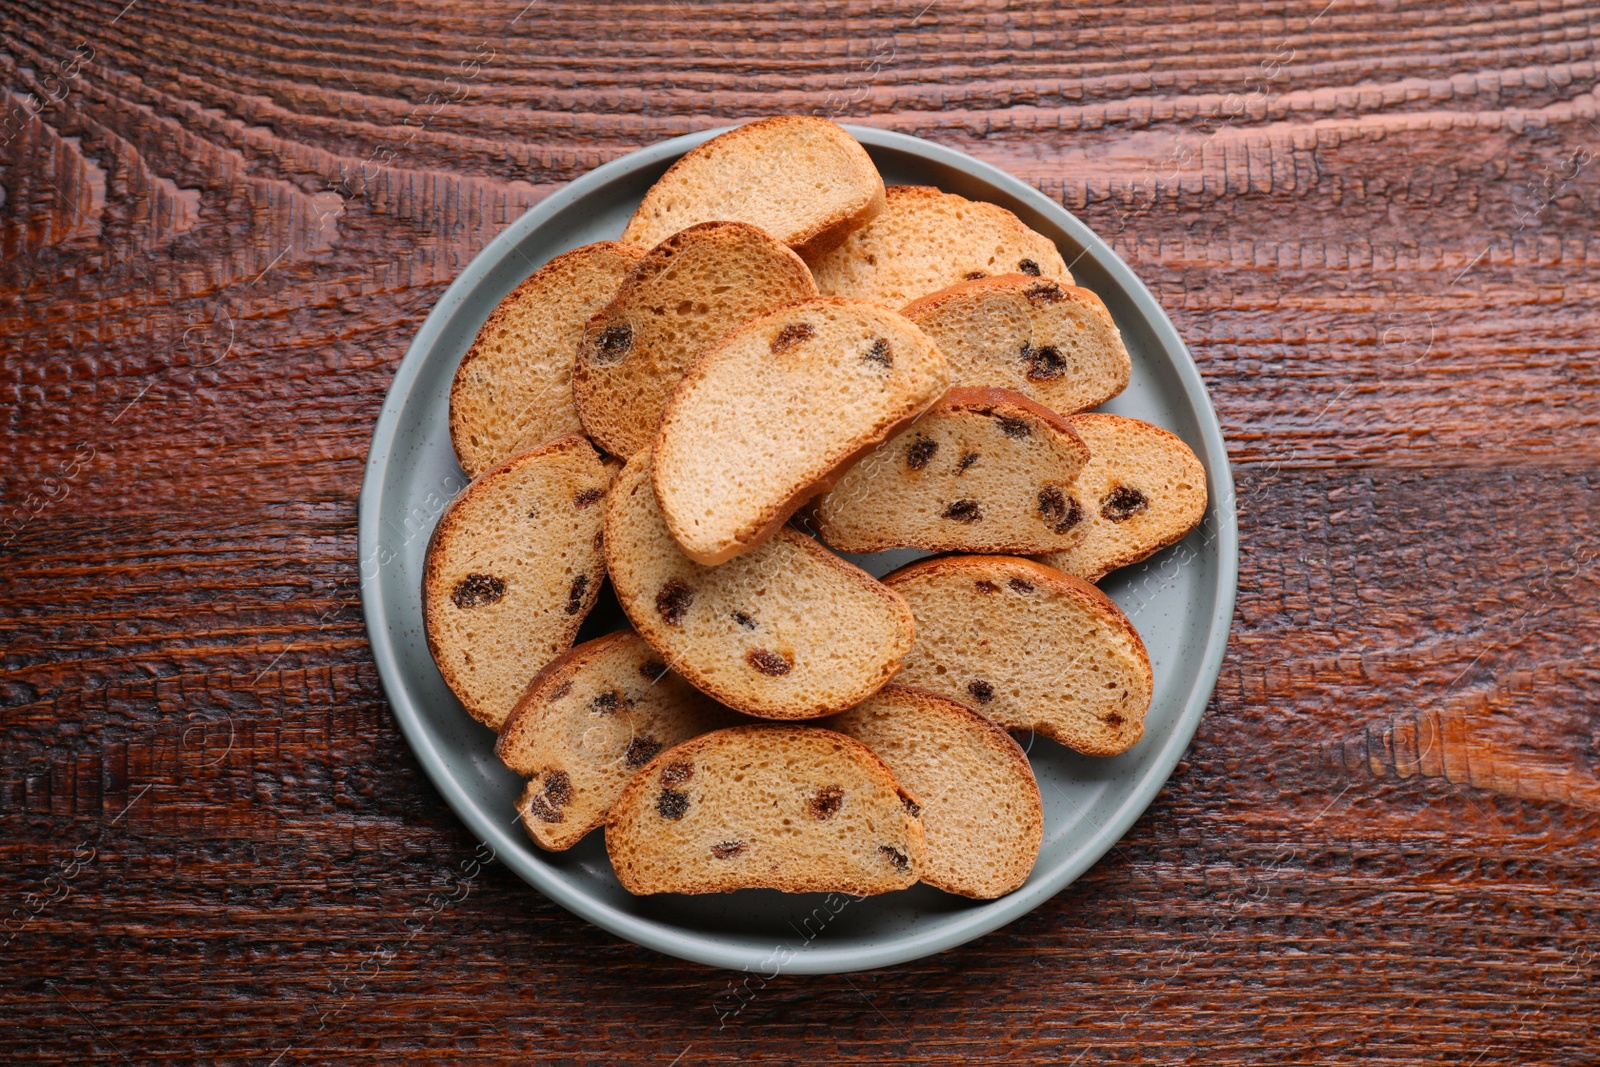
{"x":679,"y":299}
{"x":513,"y":389}
{"x":792,"y":808}
{"x":1052,"y":342}
{"x":1142,"y":490}
{"x":985,"y":470}
{"x":777,"y":411}
{"x":924,"y":240}
{"x":979,"y":801}
{"x":587,"y":724}
{"x":512,"y":570}
{"x":802,"y":179}
{"x":788,"y":631}
{"x":1028,"y":646}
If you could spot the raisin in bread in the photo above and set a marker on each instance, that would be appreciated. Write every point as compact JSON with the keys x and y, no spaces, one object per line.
{"x":979,"y":802}
{"x":588,"y":722}
{"x":1055,"y":343}
{"x":777,"y":807}
{"x":512,"y":569}
{"x":513,"y":389}
{"x":788,"y":631}
{"x":778,"y":410}
{"x":1028,"y":646}
{"x":925,"y":240}
{"x":802,"y":179}
{"x":1142,"y":490}
{"x":986,"y":470}
{"x":684,"y":295}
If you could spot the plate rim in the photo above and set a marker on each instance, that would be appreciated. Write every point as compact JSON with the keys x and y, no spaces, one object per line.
{"x":814,"y":959}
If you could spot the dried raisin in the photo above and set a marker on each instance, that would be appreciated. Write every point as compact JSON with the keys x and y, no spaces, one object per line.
{"x":790,"y":336}
{"x":963,"y":511}
{"x":673,"y":601}
{"x":613,"y":343}
{"x":1122,"y":504}
{"x":827,"y":802}
{"x":476,"y":589}
{"x":768,"y":662}
{"x":580,"y":586}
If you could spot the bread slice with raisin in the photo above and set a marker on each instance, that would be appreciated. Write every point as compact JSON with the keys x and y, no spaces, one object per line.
{"x":1028,"y":646}
{"x":802,"y":179}
{"x":986,"y":470}
{"x":792,"y":808}
{"x":979,"y":801}
{"x":588,"y":722}
{"x":924,"y":240}
{"x":1052,"y":342}
{"x":778,"y":410}
{"x":513,"y":389}
{"x":1143,"y":489}
{"x":512,"y":568}
{"x":788,"y":631}
{"x":680,"y":298}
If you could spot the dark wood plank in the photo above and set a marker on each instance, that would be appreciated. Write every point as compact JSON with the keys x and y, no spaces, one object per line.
{"x":1374,"y":226}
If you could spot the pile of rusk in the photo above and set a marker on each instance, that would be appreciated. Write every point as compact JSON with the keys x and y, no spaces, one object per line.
{"x":779,"y":360}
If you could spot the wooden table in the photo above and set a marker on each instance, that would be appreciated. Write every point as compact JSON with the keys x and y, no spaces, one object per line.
{"x":1373,"y":223}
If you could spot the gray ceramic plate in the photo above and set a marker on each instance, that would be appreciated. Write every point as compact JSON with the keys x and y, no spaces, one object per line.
{"x":1181,"y":601}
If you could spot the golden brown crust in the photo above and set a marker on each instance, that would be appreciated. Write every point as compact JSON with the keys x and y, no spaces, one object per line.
{"x":662,"y":639}
{"x":772,"y":518}
{"x":822,"y":237}
{"x":980,"y":400}
{"x":610,"y":416}
{"x":620,"y":850}
{"x":1003,"y":745}
{"x":1131,"y":554}
{"x":1062,"y":584}
{"x":1039,"y":573}
{"x":447,"y":529}
{"x":509,"y":746}
{"x":566,"y":262}
{"x":924,"y":306}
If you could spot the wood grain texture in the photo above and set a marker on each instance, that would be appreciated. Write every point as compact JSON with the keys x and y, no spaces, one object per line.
{"x":1374,"y":224}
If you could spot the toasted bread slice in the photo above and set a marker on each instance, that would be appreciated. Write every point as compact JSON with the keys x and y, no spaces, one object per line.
{"x":1054,"y":343}
{"x":761,"y":633}
{"x":802,"y":179}
{"x":1028,"y":646}
{"x":513,"y":389}
{"x":776,"y":807}
{"x":588,"y":722}
{"x":684,"y":295}
{"x":1142,"y":490}
{"x":925,"y":240}
{"x":980,"y":805}
{"x":512,"y":569}
{"x":986,"y":470}
{"x":777,"y":411}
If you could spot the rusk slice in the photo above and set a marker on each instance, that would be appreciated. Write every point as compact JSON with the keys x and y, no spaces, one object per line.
{"x":979,"y":802}
{"x":588,"y":722}
{"x":683,"y":296}
{"x":778,"y":410}
{"x":1028,"y":646}
{"x":788,"y":631}
{"x":777,"y":807}
{"x":1055,"y":343}
{"x":802,"y":179}
{"x":1142,"y":490}
{"x":513,"y":389}
{"x":512,"y":569}
{"x":986,"y":470}
{"x":925,"y":240}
